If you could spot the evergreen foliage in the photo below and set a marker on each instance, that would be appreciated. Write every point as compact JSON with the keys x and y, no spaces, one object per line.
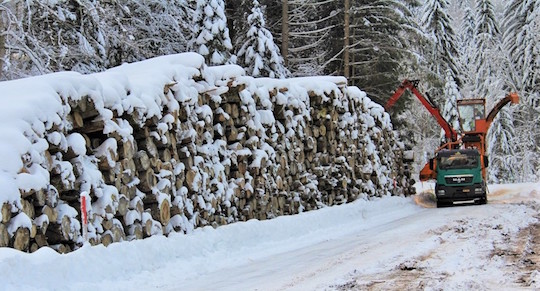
{"x":140,"y":29}
{"x":381,"y":37}
{"x":487,"y":50}
{"x":442,"y":53}
{"x":48,"y":36}
{"x":259,"y":54}
{"x":211,"y":33}
{"x":450,"y":112}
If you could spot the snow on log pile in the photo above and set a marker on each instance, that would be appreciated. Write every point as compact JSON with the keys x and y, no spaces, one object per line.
{"x":169,"y":144}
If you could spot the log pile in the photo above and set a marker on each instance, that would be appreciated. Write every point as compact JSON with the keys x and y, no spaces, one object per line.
{"x":234,"y":153}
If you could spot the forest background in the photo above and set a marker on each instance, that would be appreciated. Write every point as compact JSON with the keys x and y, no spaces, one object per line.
{"x":457,"y":49}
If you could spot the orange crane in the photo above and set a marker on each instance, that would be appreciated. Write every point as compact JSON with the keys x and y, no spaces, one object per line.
{"x":455,"y":181}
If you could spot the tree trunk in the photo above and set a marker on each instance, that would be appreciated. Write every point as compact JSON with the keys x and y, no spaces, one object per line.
{"x":346,"y":39}
{"x":285,"y":32}
{"x":2,"y":50}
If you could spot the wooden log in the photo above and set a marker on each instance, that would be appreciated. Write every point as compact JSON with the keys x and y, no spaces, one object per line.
{"x":41,"y":240}
{"x":33,"y":230}
{"x":163,"y":141}
{"x":4,"y":236}
{"x":21,"y":239}
{"x":135,"y":231}
{"x":142,"y":161}
{"x":148,"y":180}
{"x":41,"y":222}
{"x":33,"y":247}
{"x":161,"y":212}
{"x":150,"y":225}
{"x":149,"y":146}
{"x":59,"y":232}
{"x":165,"y":154}
{"x":51,"y":213}
{"x":61,"y":248}
{"x":129,"y":170}
{"x":137,"y":204}
{"x":117,"y":231}
{"x":191,"y":175}
{"x":92,"y":125}
{"x":130,"y":190}
{"x":107,"y":224}
{"x":6,"y":212}
{"x":123,"y":205}
{"x":77,"y":119}
{"x":128,"y":149}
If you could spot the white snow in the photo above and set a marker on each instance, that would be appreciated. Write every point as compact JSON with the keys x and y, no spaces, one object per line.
{"x":360,"y":243}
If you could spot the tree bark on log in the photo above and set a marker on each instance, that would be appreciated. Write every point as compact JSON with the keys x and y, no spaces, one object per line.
{"x":21,"y":239}
{"x":4,"y":236}
{"x":6,"y":212}
{"x":59,"y":232}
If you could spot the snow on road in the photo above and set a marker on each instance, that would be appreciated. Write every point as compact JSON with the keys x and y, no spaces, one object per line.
{"x":387,"y":244}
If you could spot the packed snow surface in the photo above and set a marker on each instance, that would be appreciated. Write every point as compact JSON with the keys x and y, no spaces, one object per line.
{"x":389,"y":242}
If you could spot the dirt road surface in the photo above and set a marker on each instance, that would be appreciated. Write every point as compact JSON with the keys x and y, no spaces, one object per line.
{"x":481,"y":247}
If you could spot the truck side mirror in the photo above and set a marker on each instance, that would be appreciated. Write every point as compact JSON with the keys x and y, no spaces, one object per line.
{"x":431,"y":166}
{"x":486,"y":161}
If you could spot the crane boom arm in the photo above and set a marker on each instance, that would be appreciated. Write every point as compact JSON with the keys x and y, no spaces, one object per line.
{"x":510,"y":97}
{"x":450,"y":133}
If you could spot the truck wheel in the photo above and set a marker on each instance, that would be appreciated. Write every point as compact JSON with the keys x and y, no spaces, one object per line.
{"x":483,"y":200}
{"x":442,"y":204}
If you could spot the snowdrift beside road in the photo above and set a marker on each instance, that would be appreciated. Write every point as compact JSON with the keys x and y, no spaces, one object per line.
{"x":169,"y":144}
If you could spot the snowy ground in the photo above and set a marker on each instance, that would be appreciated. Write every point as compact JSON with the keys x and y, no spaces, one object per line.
{"x":390,"y":243}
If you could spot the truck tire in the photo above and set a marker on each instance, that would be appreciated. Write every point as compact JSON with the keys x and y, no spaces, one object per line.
{"x":441,"y":203}
{"x":483,"y":200}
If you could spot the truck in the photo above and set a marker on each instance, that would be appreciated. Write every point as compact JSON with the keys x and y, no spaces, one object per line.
{"x":459,"y":165}
{"x":459,"y":177}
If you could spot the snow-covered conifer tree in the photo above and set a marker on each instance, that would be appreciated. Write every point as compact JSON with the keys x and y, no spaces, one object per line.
{"x":140,"y":29}
{"x":487,"y":57}
{"x":211,"y":34}
{"x":259,"y":55}
{"x":451,"y":91}
{"x":522,"y":43}
{"x":44,"y":36}
{"x":501,"y":140}
{"x":467,"y":47}
{"x":443,"y":52}
{"x":531,"y":53}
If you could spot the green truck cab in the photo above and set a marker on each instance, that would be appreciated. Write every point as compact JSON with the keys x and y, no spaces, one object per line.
{"x":459,"y":177}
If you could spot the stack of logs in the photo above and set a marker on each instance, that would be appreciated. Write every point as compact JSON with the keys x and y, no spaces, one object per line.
{"x":210,"y":163}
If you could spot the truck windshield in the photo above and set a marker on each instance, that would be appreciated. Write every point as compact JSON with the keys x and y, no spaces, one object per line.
{"x":458,"y":161}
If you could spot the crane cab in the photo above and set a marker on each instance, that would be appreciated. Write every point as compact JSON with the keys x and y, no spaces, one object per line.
{"x":472,"y":112}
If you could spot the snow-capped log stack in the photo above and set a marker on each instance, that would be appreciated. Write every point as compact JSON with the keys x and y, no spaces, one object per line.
{"x":169,"y":145}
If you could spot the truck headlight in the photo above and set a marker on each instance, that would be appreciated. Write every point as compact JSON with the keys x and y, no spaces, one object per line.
{"x":440,"y":192}
{"x":478,"y":190}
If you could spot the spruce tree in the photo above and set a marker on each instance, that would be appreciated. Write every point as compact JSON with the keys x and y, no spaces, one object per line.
{"x":450,"y":112}
{"x":211,"y":33}
{"x":501,"y":141}
{"x":442,"y":53}
{"x":259,"y":55}
{"x":140,"y":29}
{"x":487,"y":57}
{"x":521,"y":42}
{"x":467,"y":48}
{"x":381,"y":39}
